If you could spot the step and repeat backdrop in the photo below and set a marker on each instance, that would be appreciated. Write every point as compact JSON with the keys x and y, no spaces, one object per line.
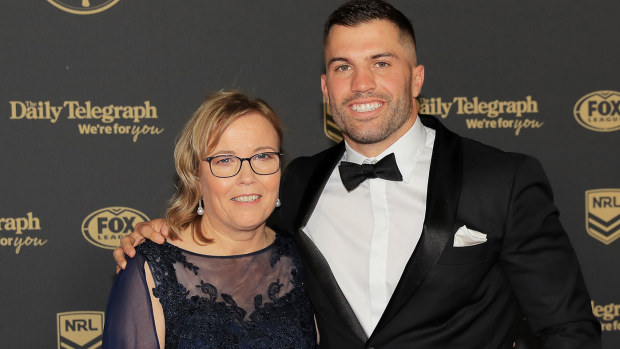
{"x":94,"y":93}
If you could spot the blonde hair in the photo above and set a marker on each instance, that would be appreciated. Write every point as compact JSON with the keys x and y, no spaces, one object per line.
{"x":200,"y":135}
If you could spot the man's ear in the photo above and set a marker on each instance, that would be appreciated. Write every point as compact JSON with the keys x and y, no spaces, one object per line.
{"x":417,"y":80}
{"x":324,"y":87}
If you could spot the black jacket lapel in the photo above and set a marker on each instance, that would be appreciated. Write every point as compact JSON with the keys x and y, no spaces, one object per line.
{"x":443,"y":192}
{"x":321,"y":173}
{"x":314,"y":259}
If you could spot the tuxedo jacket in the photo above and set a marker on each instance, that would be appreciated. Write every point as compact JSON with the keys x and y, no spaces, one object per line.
{"x":457,"y":297}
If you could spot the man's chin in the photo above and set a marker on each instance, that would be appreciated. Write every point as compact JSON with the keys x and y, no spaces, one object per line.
{"x":366,"y":137}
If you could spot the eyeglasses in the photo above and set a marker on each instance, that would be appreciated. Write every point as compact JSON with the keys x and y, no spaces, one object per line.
{"x":224,"y":166}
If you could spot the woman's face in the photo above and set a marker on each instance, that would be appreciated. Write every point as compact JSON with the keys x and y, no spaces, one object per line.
{"x":243,"y":202}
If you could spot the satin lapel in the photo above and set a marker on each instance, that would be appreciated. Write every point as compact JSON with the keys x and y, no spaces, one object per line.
{"x":313,"y":258}
{"x":442,"y":197}
{"x":316,"y":183}
{"x":326,"y":283}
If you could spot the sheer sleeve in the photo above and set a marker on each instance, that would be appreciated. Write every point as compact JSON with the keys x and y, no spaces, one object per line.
{"x":129,"y":316}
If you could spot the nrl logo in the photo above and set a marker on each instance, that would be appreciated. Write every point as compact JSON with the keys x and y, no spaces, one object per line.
{"x":80,"y":329}
{"x":83,"y":7}
{"x":603,"y":214}
{"x":332,"y":131}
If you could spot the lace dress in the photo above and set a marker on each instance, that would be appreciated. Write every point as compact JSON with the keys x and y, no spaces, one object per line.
{"x":255,"y":300}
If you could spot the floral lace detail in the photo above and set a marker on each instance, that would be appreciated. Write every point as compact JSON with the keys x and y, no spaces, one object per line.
{"x":279,"y":316}
{"x":208,"y":289}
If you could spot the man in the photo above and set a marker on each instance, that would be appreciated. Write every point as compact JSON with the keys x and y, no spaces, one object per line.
{"x":453,"y":247}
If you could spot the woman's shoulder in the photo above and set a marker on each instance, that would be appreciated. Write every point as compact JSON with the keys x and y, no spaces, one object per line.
{"x":150,"y":249}
{"x":159,"y":254}
{"x":285,"y":246}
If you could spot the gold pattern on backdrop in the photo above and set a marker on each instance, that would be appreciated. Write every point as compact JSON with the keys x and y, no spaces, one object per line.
{"x":603,"y":214}
{"x":599,"y":111}
{"x":85,"y":7}
{"x":80,"y":329}
{"x":105,"y":227}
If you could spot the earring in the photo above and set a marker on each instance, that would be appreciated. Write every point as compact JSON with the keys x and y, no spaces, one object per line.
{"x":278,"y":203}
{"x":200,"y":210}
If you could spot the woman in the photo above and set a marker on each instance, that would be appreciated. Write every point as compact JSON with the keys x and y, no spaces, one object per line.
{"x":223,"y":279}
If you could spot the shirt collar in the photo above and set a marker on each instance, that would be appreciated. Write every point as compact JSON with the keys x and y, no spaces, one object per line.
{"x":406,"y":149}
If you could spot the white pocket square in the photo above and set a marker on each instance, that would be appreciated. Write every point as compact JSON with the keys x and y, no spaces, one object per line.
{"x":468,"y":237}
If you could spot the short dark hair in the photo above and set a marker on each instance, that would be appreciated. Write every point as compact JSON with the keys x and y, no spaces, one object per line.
{"x":356,"y":12}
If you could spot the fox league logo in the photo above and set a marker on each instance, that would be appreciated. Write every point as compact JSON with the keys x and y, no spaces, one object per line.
{"x":80,"y":329}
{"x":603,"y":214}
{"x":599,"y":111}
{"x":104,"y":227}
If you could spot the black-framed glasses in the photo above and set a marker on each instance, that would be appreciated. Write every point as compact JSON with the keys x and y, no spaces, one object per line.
{"x":224,"y":166}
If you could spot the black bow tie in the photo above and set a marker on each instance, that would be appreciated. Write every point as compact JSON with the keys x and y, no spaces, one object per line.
{"x":353,"y":175}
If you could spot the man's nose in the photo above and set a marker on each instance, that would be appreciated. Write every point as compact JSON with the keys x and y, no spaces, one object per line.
{"x":363,"y":80}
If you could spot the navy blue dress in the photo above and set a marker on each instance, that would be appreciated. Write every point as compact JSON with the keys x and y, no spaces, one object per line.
{"x":255,"y":300}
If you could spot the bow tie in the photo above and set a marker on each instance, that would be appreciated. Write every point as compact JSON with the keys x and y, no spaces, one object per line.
{"x":353,"y":175}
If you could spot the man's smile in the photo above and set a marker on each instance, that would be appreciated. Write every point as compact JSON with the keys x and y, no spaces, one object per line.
{"x":366,"y":107}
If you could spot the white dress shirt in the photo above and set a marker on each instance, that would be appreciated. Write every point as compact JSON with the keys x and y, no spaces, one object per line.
{"x":367,"y":235}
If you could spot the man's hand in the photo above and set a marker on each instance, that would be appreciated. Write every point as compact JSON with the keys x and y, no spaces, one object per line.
{"x":155,"y":230}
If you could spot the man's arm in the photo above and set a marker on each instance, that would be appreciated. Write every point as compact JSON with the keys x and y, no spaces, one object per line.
{"x":542,"y":267}
{"x":155,"y":230}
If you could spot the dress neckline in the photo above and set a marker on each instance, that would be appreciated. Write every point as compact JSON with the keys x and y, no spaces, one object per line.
{"x":262,"y":250}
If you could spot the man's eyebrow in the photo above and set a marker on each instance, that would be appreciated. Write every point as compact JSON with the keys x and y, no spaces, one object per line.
{"x":373,"y":57}
{"x":337,"y":59}
{"x":384,"y":55}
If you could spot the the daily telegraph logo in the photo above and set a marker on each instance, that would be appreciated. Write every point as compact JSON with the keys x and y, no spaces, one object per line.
{"x":599,"y":111}
{"x":104,"y":228}
{"x":18,"y":232}
{"x":608,"y":315}
{"x":332,"y":131}
{"x":80,"y":329}
{"x":91,"y":119}
{"x":83,"y":7}
{"x":515,"y":115}
{"x":603,"y":214}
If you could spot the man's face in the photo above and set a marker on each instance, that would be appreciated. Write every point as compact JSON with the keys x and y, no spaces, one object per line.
{"x":371,"y":82}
